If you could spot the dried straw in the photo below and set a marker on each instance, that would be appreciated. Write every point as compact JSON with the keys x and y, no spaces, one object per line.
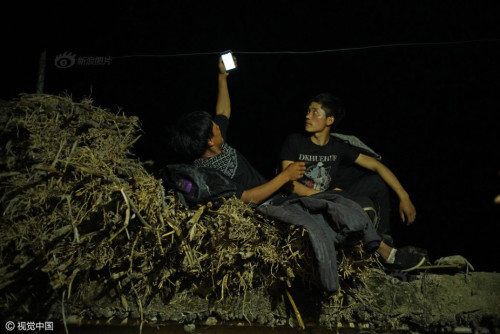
{"x":79,"y":208}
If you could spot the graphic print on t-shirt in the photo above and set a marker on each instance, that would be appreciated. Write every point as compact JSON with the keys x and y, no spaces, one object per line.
{"x":317,"y":176}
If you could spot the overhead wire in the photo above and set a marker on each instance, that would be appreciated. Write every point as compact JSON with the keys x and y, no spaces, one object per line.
{"x":367,"y":47}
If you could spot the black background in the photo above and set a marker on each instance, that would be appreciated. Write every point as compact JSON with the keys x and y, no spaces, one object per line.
{"x":420,"y":80}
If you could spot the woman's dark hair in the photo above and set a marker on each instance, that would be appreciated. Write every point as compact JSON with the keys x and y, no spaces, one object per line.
{"x":191,"y":134}
{"x":331,"y":105}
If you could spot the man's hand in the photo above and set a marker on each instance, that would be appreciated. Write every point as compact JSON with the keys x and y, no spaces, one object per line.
{"x":295,"y":171}
{"x":222,"y":68}
{"x":407,"y":211}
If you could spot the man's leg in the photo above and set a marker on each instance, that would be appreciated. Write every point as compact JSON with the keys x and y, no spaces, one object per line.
{"x":392,"y":257}
{"x":373,"y":187}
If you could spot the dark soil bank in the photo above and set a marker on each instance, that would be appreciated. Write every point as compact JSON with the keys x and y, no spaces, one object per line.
{"x":426,"y":302}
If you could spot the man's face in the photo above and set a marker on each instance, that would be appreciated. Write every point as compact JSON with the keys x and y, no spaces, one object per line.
{"x":316,"y":119}
{"x":217,"y":138}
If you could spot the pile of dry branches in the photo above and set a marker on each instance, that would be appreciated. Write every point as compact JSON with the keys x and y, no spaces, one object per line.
{"x":78,"y":208}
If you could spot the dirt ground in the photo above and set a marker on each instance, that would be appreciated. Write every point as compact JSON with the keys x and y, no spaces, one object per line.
{"x":425,"y":302}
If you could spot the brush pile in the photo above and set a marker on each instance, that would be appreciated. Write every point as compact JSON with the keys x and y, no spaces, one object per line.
{"x":79,"y":209}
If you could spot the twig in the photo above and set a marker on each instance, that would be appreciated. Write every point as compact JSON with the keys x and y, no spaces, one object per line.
{"x":184,"y":245}
{"x":8,"y":174}
{"x":167,"y":234}
{"x":218,"y":213}
{"x":5,"y":284}
{"x":194,"y":220}
{"x":63,"y":313}
{"x":73,"y":275}
{"x":440,"y":266}
{"x":159,"y":242}
{"x":132,"y":253}
{"x":223,"y":284}
{"x":295,"y":309}
{"x":73,"y":147}
{"x":75,"y":229}
{"x":136,"y":211}
{"x":139,"y":303}
{"x":127,"y":216}
{"x":161,"y":218}
{"x":63,"y":141}
{"x":132,"y":142}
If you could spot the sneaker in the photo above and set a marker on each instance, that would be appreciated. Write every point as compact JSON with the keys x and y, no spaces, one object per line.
{"x":406,"y":261}
{"x":415,"y":250}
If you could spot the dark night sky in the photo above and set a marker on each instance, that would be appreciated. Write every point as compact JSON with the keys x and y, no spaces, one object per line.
{"x":431,"y":110}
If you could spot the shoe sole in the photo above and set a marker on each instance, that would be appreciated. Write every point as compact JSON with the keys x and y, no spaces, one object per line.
{"x":375,"y":217}
{"x":416,"y":266}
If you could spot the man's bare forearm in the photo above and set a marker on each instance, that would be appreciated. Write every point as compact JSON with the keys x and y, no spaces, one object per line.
{"x":293,"y":172}
{"x":261,"y":193}
{"x":388,"y":176}
{"x":223,"y":106}
{"x":302,"y":190}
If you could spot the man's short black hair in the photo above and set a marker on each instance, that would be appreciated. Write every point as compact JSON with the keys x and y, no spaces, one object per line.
{"x":331,"y":105}
{"x":191,"y":134}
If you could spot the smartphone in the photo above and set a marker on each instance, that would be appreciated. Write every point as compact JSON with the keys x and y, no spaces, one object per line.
{"x":227,"y":59}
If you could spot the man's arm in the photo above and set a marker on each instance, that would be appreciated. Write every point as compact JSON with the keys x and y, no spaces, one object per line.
{"x":406,"y":208}
{"x":259,"y":194}
{"x":223,"y":106}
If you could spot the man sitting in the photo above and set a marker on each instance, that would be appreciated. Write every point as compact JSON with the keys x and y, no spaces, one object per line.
{"x":324,"y":155}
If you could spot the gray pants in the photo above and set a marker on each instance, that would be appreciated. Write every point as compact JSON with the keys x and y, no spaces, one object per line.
{"x":330,"y":218}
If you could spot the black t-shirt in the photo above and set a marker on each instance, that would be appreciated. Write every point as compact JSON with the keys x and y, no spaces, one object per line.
{"x":322,"y":162}
{"x":232,"y":163}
